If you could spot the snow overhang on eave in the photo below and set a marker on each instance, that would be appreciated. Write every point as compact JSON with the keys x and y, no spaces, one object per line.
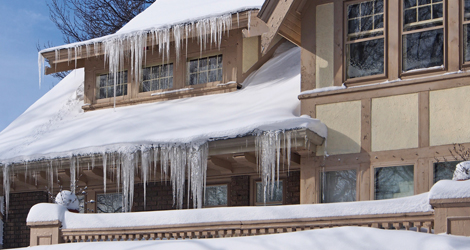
{"x":72,"y":56}
{"x":304,"y":140}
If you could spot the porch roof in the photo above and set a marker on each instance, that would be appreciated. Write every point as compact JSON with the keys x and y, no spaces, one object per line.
{"x":56,"y":126}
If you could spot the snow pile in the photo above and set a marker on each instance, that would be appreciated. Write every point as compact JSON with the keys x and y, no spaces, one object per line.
{"x":448,"y":189}
{"x":413,"y":204}
{"x":68,"y":200}
{"x":357,"y":238}
{"x":462,"y":171}
{"x":46,"y":212}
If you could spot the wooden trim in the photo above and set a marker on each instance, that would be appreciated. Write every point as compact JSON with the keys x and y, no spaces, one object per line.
{"x":453,"y":35}
{"x":339,"y":35}
{"x":423,"y":120}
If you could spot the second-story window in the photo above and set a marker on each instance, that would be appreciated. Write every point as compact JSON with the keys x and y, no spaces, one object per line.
{"x":204,"y":70}
{"x":105,"y":85}
{"x":365,"y":39}
{"x":157,"y":77}
{"x":466,"y":31}
{"x":423,"y":34}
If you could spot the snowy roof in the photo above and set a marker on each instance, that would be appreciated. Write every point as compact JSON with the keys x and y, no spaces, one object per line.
{"x":56,"y":126}
{"x":163,"y":14}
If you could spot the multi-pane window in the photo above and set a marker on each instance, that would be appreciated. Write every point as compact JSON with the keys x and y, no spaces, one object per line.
{"x":157,"y":77}
{"x":105,"y":85}
{"x":271,"y":196}
{"x":466,"y":31}
{"x":216,"y":195}
{"x":423,"y":34}
{"x":109,"y":203}
{"x":338,"y":186}
{"x":365,"y":39}
{"x":394,"y":182}
{"x":204,"y":70}
{"x":444,"y":170}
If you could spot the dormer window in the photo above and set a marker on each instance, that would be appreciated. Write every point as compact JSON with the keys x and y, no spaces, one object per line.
{"x":105,"y":85}
{"x":205,"y":70}
{"x":157,"y":77}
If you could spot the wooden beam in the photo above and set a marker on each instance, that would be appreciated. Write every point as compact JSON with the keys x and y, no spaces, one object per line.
{"x":257,"y":28}
{"x":26,"y":182}
{"x":224,"y":166}
{"x":64,"y":66}
{"x":274,"y":23}
{"x":248,"y":160}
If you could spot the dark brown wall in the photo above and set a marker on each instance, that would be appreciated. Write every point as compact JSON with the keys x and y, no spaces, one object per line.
{"x":240,"y":191}
{"x":293,"y":188}
{"x":16,"y":233}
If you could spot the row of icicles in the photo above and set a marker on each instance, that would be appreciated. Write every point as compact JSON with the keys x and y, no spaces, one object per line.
{"x":184,"y":164}
{"x":132,"y":46}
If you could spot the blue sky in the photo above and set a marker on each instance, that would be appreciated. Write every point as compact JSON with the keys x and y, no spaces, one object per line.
{"x":23,"y":24}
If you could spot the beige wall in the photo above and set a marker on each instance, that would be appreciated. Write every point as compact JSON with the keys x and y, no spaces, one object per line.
{"x":395,"y":122}
{"x":344,"y":127}
{"x":325,"y":45}
{"x":250,"y":52}
{"x":449,"y":116}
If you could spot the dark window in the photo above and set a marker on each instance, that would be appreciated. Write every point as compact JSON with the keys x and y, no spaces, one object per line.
{"x":105,"y":84}
{"x":157,"y":77}
{"x":444,"y":170}
{"x":204,"y":70}
{"x":394,"y":182}
{"x":216,"y":195}
{"x":365,"y":39}
{"x":423,"y":34}
{"x":109,"y":203}
{"x":274,"y":195}
{"x":466,"y":31}
{"x":338,"y":186}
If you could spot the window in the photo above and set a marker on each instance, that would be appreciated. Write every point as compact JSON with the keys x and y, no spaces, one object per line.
{"x":466,"y":31}
{"x":105,"y":85}
{"x":338,"y":186}
{"x":215,"y":196}
{"x":81,"y":203}
{"x":444,"y":170}
{"x":109,"y":203}
{"x":394,"y":182}
{"x":423,"y":34}
{"x":157,"y":77}
{"x":365,"y":39}
{"x":204,"y":70}
{"x":274,"y":196}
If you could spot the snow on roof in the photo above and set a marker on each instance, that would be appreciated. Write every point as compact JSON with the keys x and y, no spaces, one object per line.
{"x":163,"y":14}
{"x":448,"y":189}
{"x":347,"y":238}
{"x":42,"y":212}
{"x":56,"y":126}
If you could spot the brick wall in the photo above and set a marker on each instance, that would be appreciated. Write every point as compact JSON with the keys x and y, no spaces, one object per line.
{"x":240,"y":191}
{"x":16,"y":233}
{"x":293,"y":188}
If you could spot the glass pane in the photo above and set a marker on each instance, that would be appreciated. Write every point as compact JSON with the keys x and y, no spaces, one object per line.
{"x":273,"y":196}
{"x":423,"y":49}
{"x":467,"y":10}
{"x":216,"y":196}
{"x":193,"y":66}
{"x":110,"y":91}
{"x":202,"y":77}
{"x":119,"y":90}
{"x":219,"y":75}
{"x":102,"y":93}
{"x":379,"y":6}
{"x":164,"y":83}
{"x":421,"y":2}
{"x":444,"y":170}
{"x":219,"y":61}
{"x":367,"y":8}
{"x":203,"y":64}
{"x":378,"y":21}
{"x":394,"y":182}
{"x":146,"y":74}
{"x":424,"y":13}
{"x":146,"y":86}
{"x":410,"y":16}
{"x":365,"y":58}
{"x":192,"y":79}
{"x":353,"y":11}
{"x":338,"y":186}
{"x":213,"y":76}
{"x":366,"y":23}
{"x":437,"y":11}
{"x":466,"y":42}
{"x":213,"y":62}
{"x":409,"y":3}
{"x":109,"y":203}
{"x":170,"y":83}
{"x":103,"y":80}
{"x":354,"y":26}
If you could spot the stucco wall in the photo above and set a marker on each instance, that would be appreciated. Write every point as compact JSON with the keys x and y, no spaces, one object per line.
{"x":344,"y":127}
{"x":325,"y":45}
{"x":250,"y":52}
{"x":449,"y":116}
{"x":395,"y":122}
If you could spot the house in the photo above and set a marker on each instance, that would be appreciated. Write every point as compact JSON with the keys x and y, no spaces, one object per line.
{"x":200,"y":108}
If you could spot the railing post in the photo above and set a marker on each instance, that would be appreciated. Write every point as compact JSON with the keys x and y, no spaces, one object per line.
{"x":451,"y":216}
{"x":44,"y":233}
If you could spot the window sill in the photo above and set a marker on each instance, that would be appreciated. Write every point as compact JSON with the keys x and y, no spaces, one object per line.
{"x":148,"y":97}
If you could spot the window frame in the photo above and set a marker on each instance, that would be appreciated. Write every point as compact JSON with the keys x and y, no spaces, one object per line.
{"x":337,"y":170}
{"x":253,"y":197}
{"x":201,"y":56}
{"x":96,"y":87}
{"x":403,"y":33}
{"x":218,"y":184}
{"x":141,"y":81}
{"x":345,"y":41}
{"x":318,"y":179}
{"x":462,"y":25}
{"x":391,"y":164}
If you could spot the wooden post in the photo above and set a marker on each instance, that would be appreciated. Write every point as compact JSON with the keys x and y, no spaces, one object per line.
{"x":45,"y":233}
{"x":451,"y":216}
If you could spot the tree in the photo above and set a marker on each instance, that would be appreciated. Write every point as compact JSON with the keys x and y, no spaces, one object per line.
{"x":81,"y":20}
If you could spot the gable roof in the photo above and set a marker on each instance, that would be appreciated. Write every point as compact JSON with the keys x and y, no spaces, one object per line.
{"x":56,"y":126}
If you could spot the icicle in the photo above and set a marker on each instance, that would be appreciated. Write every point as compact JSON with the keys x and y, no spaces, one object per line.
{"x":238,"y":19}
{"x":51,"y":177}
{"x":197,"y":166}
{"x":75,"y":50}
{"x":93,"y":161}
{"x":128,"y":170}
{"x":69,"y":55}
{"x":105,"y":159}
{"x":177,"y":32}
{"x":96,"y":48}
{"x":249,"y":19}
{"x":6,"y":187}
{"x":41,"y":62}
{"x":289,"y":146}
{"x":73,"y":172}
{"x":145,"y":166}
